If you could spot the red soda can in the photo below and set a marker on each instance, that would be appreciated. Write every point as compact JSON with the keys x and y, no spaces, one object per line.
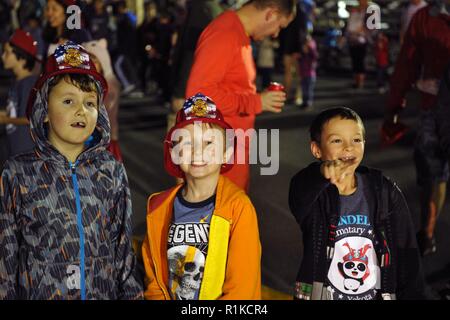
{"x":275,"y":86}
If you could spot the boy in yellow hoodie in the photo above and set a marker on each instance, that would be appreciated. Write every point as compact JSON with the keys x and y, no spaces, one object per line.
{"x":202,"y":240}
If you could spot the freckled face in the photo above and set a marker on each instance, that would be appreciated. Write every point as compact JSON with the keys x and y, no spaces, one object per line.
{"x":72,"y":115}
{"x":203,"y":154}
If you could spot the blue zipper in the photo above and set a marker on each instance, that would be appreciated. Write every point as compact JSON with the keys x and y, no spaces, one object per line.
{"x":73,"y":167}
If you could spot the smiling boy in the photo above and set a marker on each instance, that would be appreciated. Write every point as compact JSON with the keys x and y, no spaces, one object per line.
{"x":358,"y":235}
{"x":65,"y":209}
{"x":202,"y":240}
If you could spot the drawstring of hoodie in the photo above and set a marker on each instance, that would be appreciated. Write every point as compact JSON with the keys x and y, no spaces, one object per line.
{"x":331,"y":241}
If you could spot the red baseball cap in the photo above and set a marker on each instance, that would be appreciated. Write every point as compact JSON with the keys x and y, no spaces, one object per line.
{"x":24,"y":41}
{"x":198,"y":108}
{"x":69,"y":57}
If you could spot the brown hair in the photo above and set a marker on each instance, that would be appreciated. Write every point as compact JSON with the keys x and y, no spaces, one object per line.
{"x":83,"y":82}
{"x":287,"y":7}
{"x":322,"y":118}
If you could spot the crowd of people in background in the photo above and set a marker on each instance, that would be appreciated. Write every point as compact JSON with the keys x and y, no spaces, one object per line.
{"x":151,"y":42}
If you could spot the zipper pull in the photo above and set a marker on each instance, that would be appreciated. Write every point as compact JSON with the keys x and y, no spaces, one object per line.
{"x":73,"y":167}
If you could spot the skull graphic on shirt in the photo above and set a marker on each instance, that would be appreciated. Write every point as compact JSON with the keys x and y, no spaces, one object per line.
{"x":186,"y":264}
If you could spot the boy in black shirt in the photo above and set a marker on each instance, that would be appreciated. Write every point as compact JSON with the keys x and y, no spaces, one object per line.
{"x":358,"y":236}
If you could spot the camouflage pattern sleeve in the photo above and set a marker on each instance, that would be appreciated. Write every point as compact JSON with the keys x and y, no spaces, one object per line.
{"x":130,"y":286}
{"x":9,"y":243}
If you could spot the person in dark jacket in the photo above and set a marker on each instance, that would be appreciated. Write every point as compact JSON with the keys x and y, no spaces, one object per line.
{"x":65,"y":208}
{"x":359,"y":241}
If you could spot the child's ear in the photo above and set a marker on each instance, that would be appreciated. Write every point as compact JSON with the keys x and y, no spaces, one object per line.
{"x":315,"y":150}
{"x":46,"y":119}
{"x":270,"y":13}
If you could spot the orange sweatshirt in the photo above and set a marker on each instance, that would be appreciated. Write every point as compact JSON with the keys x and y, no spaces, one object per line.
{"x":224,"y":70}
{"x":233,"y":263}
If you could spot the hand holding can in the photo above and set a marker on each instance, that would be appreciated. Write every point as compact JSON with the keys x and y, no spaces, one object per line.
{"x":273,"y":98}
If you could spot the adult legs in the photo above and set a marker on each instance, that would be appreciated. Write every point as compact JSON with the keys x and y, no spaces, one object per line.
{"x":432,"y":175}
{"x":308,"y":84}
{"x":290,"y":68}
{"x":358,"y":55}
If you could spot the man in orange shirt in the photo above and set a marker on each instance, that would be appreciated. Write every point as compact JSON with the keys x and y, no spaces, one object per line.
{"x":224,"y":68}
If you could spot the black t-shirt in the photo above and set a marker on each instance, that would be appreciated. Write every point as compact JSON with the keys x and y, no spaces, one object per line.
{"x":354,"y":272}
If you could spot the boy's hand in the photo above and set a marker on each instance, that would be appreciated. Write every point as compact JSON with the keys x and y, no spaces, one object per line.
{"x":336,"y":170}
{"x":273,"y":101}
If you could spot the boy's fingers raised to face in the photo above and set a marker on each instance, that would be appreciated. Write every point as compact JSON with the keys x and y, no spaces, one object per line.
{"x":327,"y":173}
{"x":333,"y":163}
{"x":342,"y":176}
{"x":346,"y":166}
{"x":339,"y":163}
{"x":332,"y":171}
{"x":328,"y":169}
{"x":328,"y":163}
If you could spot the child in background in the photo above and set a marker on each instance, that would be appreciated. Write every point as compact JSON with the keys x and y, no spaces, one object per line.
{"x":359,"y":240}
{"x":308,"y":65}
{"x":19,"y":56}
{"x":65,"y":209}
{"x":382,"y":60}
{"x":202,"y":240}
